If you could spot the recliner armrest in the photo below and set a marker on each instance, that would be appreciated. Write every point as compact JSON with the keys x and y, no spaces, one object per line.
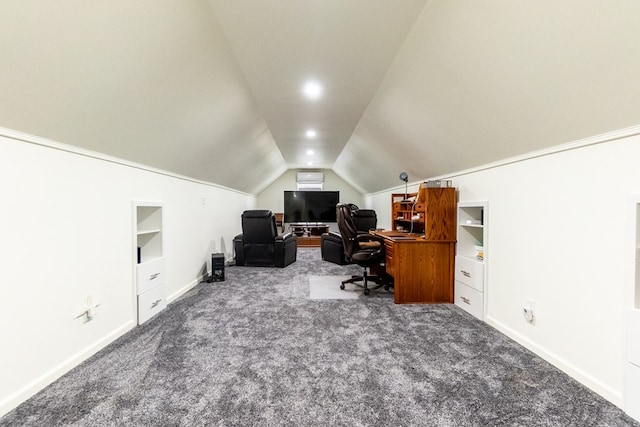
{"x":238,"y":246}
{"x":285,"y":249}
{"x":331,"y":236}
{"x":284,"y":236}
{"x":332,"y":248}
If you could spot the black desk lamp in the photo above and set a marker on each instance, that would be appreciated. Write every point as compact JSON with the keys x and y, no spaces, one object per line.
{"x":404,"y":177}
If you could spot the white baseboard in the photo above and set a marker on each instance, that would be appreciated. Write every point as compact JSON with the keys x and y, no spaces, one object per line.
{"x":612,"y":395}
{"x":174,"y":296}
{"x":30,"y":389}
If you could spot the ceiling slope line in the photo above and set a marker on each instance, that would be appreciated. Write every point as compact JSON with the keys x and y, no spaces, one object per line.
{"x":44,"y":142}
{"x":575,"y":145}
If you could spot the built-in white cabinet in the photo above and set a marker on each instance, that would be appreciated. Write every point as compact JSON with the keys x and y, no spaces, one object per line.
{"x":151,"y":291}
{"x":632,"y":377}
{"x":471,"y":252}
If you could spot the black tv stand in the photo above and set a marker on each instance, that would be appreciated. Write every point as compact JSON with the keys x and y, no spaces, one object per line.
{"x":309,"y":232}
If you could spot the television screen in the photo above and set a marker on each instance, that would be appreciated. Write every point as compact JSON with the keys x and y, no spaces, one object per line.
{"x":310,"y":206}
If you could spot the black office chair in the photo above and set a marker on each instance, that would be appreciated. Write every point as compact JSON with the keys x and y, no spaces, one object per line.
{"x":331,"y":248}
{"x":260,"y":244}
{"x":363,"y":249}
{"x":364,"y":219}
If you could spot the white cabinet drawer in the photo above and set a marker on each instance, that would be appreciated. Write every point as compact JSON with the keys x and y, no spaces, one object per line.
{"x":469,"y":299}
{"x":149,"y":274}
{"x":470,"y":272}
{"x":151,"y":302}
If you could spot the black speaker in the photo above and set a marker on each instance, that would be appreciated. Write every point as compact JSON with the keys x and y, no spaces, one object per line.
{"x":217,"y":268}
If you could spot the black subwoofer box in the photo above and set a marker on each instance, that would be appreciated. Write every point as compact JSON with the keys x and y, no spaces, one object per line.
{"x":217,"y":268}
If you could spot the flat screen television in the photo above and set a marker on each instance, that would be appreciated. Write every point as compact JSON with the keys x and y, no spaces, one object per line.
{"x":310,"y":206}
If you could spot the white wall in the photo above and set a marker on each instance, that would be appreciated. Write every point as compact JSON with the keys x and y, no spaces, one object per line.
{"x":557,"y":223}
{"x":460,"y":94}
{"x":66,"y":227}
{"x":556,"y":235}
{"x":130,"y":79}
{"x":272,"y":197}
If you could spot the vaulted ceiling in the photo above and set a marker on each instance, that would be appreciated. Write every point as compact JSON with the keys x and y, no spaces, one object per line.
{"x":213,"y":89}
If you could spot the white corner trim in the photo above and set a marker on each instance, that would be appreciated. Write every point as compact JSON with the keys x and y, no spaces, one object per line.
{"x":581,"y":143}
{"x":612,"y":395}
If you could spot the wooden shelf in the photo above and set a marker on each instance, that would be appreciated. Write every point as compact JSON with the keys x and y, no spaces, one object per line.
{"x":436,"y":208}
{"x":309,"y":241}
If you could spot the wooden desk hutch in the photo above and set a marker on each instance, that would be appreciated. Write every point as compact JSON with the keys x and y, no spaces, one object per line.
{"x":420,"y":248}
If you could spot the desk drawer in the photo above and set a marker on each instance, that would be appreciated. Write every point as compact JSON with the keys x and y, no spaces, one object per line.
{"x":151,"y":302}
{"x":149,"y":274}
{"x":469,"y":299}
{"x":470,"y":272}
{"x":389,"y":258}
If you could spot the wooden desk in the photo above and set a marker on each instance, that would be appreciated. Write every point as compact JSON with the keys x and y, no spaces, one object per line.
{"x":422,"y":270}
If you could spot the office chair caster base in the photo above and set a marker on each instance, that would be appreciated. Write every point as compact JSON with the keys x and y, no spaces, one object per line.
{"x":366,"y":291}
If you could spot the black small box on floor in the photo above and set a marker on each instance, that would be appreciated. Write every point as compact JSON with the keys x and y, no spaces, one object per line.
{"x":217,"y":268}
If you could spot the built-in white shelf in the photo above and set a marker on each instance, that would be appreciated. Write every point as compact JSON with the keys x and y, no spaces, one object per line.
{"x":632,"y":368}
{"x":141,"y":232}
{"x":471,"y":254}
{"x":149,"y":272}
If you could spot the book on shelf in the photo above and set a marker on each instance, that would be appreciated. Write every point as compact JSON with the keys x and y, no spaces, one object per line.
{"x":479,"y":251}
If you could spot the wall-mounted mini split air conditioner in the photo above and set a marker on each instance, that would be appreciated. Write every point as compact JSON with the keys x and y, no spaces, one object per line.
{"x":310,"y":177}
{"x":310,"y":180}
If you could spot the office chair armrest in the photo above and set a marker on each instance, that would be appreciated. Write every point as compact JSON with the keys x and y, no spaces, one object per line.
{"x":367,"y":237}
{"x":369,"y":241}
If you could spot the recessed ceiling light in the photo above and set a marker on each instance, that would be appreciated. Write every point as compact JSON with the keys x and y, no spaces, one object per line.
{"x":312,"y":90}
{"x":310,"y":152}
{"x":311,"y":133}
{"x":309,"y":163}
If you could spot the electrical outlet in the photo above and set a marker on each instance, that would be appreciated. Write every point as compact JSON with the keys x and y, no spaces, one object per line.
{"x":89,"y":310}
{"x":529,"y":311}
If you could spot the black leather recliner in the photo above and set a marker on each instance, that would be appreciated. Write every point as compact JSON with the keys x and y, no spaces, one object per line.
{"x":331,"y":247}
{"x":260,"y":244}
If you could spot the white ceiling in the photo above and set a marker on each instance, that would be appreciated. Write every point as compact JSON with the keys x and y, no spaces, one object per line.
{"x":211,"y":89}
{"x":347,"y":46}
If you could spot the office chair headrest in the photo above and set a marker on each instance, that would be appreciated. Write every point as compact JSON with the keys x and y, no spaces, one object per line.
{"x":364,"y":213}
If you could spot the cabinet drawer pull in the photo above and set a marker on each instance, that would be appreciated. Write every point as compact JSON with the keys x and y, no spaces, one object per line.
{"x":465,"y":300}
{"x":155,"y":303}
{"x":465,"y":273}
{"x":153,"y":276}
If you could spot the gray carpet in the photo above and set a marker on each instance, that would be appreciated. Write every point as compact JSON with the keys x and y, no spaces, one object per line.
{"x":328,"y":287}
{"x":256,"y":350}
